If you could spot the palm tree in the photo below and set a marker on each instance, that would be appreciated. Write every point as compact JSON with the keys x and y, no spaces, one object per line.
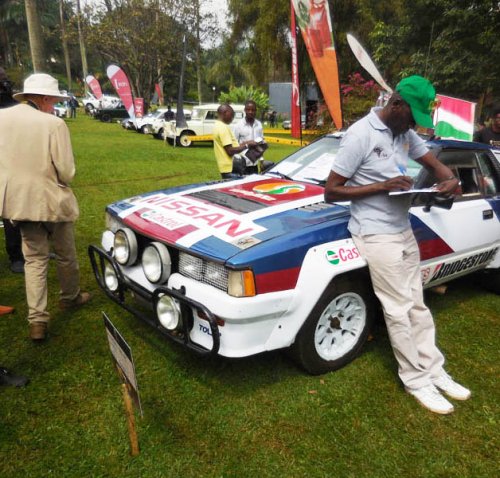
{"x":11,"y":21}
{"x":35,"y":35}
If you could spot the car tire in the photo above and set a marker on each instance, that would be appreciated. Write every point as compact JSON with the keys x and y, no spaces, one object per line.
{"x":145,"y":129}
{"x":105,"y":118}
{"x":184,"y":139}
{"x":89,"y":108}
{"x":337,"y":327}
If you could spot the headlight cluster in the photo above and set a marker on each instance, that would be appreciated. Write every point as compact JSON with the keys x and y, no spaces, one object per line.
{"x":235,"y":283}
{"x":156,"y":261}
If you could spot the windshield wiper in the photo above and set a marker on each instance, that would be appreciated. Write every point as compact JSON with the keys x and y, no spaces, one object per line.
{"x":319,"y":182}
{"x":281,"y":175}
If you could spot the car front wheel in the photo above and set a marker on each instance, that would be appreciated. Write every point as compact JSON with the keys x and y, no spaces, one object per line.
{"x":337,"y":328}
{"x":185,"y":140}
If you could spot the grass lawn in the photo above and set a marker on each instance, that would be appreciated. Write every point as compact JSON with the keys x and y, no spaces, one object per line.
{"x":254,"y":417}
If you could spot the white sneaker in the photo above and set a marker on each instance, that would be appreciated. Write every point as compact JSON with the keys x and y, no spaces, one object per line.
{"x":430,"y":398}
{"x":453,"y":389}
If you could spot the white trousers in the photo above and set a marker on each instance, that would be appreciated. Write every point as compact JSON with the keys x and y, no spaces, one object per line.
{"x":394,"y":265}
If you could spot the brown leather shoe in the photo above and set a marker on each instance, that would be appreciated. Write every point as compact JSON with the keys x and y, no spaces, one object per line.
{"x":38,"y":330}
{"x":5,"y":309}
{"x":81,"y":299}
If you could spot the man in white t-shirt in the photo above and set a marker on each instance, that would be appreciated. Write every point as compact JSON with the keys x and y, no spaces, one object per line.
{"x":250,"y":129}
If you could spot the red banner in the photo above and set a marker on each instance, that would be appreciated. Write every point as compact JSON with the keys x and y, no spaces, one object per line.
{"x":295,"y":106}
{"x":94,"y":86}
{"x":139,"y":107}
{"x":159,"y":92}
{"x":121,"y":84}
{"x":313,"y":17}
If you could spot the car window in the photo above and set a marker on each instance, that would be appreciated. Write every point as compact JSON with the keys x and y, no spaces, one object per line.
{"x":465,"y":166}
{"x":211,"y":115}
{"x":197,"y":114}
{"x":311,"y":163}
{"x":490,"y":179}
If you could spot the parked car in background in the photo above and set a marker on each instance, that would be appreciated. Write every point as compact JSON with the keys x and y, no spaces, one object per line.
{"x":287,"y":124}
{"x":91,"y":103}
{"x":108,"y":114}
{"x":61,"y":110}
{"x":201,"y":123}
{"x":144,"y":125}
{"x":158,"y":124}
{"x":240,"y":267}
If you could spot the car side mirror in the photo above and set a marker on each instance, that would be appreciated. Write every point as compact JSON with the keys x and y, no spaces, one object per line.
{"x":438,"y":201}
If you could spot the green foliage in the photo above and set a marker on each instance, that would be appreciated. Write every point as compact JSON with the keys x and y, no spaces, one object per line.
{"x":242,"y":93}
{"x":358,"y":96}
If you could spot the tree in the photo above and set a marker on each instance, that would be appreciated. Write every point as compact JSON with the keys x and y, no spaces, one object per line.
{"x":35,"y":35}
{"x":243,"y":93}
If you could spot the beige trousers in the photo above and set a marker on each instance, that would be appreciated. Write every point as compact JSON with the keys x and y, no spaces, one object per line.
{"x":394,"y":264}
{"x":37,"y":237}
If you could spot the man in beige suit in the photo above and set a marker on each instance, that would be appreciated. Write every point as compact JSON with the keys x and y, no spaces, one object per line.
{"x":36,"y":167}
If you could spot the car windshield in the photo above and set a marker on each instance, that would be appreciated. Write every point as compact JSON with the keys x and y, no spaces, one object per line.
{"x":197,"y":114}
{"x":314,"y":162}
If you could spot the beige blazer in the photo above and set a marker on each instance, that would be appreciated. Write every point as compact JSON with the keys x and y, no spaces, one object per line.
{"x":36,"y":166}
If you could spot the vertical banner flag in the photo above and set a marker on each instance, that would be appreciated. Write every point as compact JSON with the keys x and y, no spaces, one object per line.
{"x":139,"y":107}
{"x":121,"y":84}
{"x":314,"y":21}
{"x":295,"y":106}
{"x":454,"y":118}
{"x":159,"y":92}
{"x":94,"y":85}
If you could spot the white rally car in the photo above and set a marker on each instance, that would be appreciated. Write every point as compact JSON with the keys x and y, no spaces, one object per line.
{"x":241,"y":267}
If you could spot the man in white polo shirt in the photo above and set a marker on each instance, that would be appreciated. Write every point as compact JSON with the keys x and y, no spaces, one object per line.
{"x":371,"y":162}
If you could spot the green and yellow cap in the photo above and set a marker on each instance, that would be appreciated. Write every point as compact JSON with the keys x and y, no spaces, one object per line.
{"x":419,"y":93}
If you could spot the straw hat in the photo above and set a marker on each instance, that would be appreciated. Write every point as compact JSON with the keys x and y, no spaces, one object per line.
{"x":41,"y":84}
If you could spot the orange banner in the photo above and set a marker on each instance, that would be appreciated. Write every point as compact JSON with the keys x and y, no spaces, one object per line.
{"x":313,"y":17}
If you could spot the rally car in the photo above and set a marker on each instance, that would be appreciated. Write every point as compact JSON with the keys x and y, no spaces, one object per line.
{"x":261,"y":263}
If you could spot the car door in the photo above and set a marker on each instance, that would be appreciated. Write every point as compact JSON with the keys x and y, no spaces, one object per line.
{"x":466,"y":237}
{"x":209,"y":122}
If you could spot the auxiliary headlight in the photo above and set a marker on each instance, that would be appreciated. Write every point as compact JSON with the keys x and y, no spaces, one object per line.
{"x":125,"y":247}
{"x":241,"y":283}
{"x":168,"y":312}
{"x":156,"y":263}
{"x":110,"y":278}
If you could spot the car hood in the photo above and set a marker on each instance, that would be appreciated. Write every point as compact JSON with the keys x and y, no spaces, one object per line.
{"x":223,"y":219}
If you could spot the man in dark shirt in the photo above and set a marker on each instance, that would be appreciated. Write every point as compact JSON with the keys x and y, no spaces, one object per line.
{"x":12,"y":233}
{"x":490,"y":134}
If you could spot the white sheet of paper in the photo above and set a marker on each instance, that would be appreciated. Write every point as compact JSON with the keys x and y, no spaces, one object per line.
{"x":413,"y":191}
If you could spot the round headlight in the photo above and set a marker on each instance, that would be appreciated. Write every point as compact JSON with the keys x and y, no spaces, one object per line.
{"x":125,"y":247}
{"x":156,"y":263}
{"x":169,"y":312}
{"x":110,"y":278}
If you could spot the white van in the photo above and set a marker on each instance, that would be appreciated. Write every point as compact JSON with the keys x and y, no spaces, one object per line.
{"x":201,"y":123}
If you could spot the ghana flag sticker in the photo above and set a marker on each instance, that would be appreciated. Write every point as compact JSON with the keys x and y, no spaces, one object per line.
{"x":279,"y":188}
{"x":332,"y":257}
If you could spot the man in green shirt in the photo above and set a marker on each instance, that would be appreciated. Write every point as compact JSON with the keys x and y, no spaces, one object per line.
{"x":225,"y":143}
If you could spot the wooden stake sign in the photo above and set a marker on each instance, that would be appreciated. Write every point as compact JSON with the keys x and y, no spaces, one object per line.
{"x":122,"y":356}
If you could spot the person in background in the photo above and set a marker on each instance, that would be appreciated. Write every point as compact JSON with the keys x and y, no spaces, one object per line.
{"x":12,"y":233}
{"x":225,"y":143}
{"x":73,"y":105}
{"x":169,"y":114}
{"x":490,"y":134}
{"x":7,"y":377}
{"x":250,"y":129}
{"x":372,"y":162}
{"x":35,"y":172}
